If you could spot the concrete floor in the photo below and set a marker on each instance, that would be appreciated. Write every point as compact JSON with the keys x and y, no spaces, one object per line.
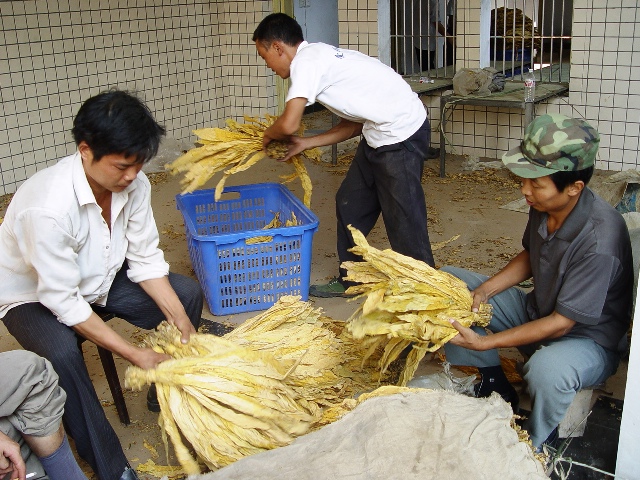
{"x":465,"y":204}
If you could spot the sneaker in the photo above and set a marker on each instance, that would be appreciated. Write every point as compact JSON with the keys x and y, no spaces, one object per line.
{"x":332,"y":289}
{"x":152,"y":399}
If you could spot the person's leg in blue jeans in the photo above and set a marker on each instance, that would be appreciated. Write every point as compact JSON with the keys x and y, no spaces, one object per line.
{"x":555,"y":373}
{"x":509,"y":310}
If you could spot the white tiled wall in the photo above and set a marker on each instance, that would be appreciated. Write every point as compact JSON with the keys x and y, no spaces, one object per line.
{"x":605,"y":76}
{"x":468,"y":38}
{"x":191,"y":61}
{"x":358,"y":25}
{"x":249,"y":84}
{"x":604,"y":86}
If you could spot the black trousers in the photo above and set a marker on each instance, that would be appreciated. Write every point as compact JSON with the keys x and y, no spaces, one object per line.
{"x":386,"y":180}
{"x":427,"y":59}
{"x":38,"y":330}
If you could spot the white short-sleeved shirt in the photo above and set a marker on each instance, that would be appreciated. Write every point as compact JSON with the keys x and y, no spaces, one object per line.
{"x":357,"y":87}
{"x":56,"y":248}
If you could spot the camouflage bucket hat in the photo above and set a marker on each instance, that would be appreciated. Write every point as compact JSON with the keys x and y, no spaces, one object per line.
{"x":553,"y":143}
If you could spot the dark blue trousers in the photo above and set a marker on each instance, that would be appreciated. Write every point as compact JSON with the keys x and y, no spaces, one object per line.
{"x":38,"y":330}
{"x":386,"y":180}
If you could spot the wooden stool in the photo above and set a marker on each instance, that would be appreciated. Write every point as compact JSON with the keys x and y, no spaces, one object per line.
{"x":109,"y":366}
{"x":573,"y":424}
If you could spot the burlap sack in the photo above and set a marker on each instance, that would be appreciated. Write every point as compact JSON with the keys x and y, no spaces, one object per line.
{"x":477,"y":81}
{"x":416,"y":435}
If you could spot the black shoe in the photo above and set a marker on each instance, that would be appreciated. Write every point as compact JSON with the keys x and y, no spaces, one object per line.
{"x":152,"y":400}
{"x":508,"y":394}
{"x":405,"y":353}
{"x":129,"y":474}
{"x":432,"y":153}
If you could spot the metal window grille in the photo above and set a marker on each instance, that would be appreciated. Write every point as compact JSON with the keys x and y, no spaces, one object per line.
{"x":423,"y":37}
{"x":524,"y":35}
{"x":531,"y":35}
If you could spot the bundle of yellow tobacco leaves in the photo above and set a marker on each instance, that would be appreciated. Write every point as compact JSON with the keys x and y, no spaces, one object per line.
{"x":235,"y":149}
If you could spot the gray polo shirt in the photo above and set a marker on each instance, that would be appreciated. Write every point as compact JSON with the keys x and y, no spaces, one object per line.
{"x":584,"y":270}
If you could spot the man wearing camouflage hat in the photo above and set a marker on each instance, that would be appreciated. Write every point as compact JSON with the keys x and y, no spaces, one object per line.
{"x":572,"y":327}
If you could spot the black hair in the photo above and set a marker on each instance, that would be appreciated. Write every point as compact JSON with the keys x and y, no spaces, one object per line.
{"x":278,"y":27}
{"x":116,"y":122}
{"x":562,"y":179}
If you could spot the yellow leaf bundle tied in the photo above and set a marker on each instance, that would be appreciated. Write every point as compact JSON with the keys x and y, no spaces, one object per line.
{"x":330,"y":366}
{"x":408,"y":303}
{"x":277,"y":376}
{"x":228,"y":401}
{"x":233,"y":150}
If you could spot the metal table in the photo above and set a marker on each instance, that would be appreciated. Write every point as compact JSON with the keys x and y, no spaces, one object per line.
{"x":428,"y":87}
{"x":511,"y":97}
{"x":442,"y":79}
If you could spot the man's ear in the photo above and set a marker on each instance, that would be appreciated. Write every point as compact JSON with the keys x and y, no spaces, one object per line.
{"x":85,"y":150}
{"x":277,"y":45}
{"x":575,"y":188}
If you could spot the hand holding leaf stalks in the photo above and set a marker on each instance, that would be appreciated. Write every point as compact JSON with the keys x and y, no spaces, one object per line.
{"x":234,"y":149}
{"x":408,"y":303}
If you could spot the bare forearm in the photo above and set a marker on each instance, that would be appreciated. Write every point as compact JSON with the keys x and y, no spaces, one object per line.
{"x":161,"y":292}
{"x":288,"y":123}
{"x":546,"y":328}
{"x":281,"y":130}
{"x":516,"y":271}
{"x":344,"y":130}
{"x":97,"y":331}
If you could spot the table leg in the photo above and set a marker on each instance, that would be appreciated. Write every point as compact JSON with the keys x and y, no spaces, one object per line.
{"x":443,"y":105}
{"x":529,"y":113}
{"x":334,"y":147}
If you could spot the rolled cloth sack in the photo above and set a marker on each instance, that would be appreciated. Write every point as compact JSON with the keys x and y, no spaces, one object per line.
{"x":413,"y":435}
{"x":477,"y":81}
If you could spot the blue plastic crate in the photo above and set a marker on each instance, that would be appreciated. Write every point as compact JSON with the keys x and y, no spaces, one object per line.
{"x":237,"y":277}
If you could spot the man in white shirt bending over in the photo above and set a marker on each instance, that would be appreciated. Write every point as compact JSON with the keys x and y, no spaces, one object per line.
{"x":371,"y":100}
